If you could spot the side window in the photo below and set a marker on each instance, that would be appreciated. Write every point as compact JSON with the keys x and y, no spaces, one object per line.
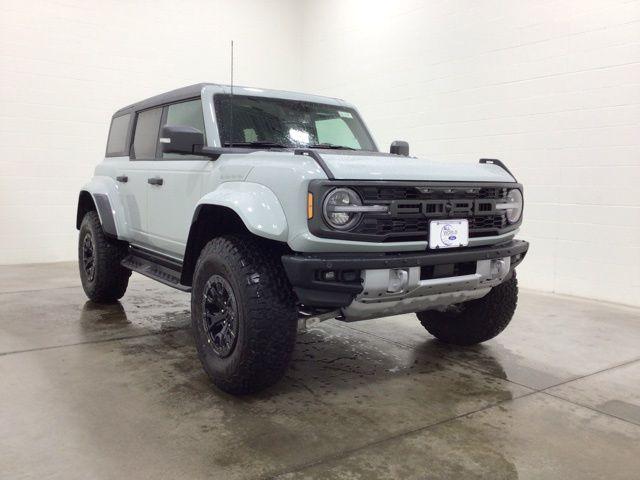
{"x":336,"y":131}
{"x":185,"y":113}
{"x":145,"y":139}
{"x":117,"y":142}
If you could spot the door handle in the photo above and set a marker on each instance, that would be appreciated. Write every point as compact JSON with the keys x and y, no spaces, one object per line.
{"x":122,"y":178}
{"x":155,"y":181}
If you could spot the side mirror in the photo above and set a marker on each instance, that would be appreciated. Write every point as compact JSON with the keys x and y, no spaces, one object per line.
{"x":399,"y":147}
{"x":181,"y":139}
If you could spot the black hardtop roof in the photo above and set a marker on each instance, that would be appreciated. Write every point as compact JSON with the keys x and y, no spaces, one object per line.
{"x":193,"y":91}
{"x":178,"y":94}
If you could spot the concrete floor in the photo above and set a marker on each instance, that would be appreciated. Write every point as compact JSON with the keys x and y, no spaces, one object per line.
{"x":117,"y":391}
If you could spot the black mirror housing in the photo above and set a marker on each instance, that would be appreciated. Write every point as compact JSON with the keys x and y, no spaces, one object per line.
{"x":400,"y":147}
{"x":181,"y":139}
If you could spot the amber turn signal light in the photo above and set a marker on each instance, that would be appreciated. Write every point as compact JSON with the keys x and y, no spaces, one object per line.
{"x":310,"y":206}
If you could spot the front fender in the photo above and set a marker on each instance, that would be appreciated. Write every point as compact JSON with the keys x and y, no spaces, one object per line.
{"x":104,"y":192}
{"x":256,"y":205}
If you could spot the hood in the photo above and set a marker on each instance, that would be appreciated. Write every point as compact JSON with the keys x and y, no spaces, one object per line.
{"x":391,"y":167}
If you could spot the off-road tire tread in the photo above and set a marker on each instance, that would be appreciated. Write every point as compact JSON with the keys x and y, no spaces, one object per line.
{"x":111,"y":278}
{"x":271,"y":320}
{"x":479,"y":321}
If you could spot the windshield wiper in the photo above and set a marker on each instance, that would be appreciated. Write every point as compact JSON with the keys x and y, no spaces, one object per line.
{"x":330,"y":146}
{"x":255,"y":144}
{"x":258,"y":144}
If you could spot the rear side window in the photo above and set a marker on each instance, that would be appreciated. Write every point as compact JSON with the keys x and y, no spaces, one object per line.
{"x":117,"y":142}
{"x":145,"y":138}
{"x":188,"y":114}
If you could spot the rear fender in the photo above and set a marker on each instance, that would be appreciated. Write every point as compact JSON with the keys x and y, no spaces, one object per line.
{"x":104,"y":193}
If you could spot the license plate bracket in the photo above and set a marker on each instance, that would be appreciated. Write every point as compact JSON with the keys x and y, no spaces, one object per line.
{"x":450,"y":233}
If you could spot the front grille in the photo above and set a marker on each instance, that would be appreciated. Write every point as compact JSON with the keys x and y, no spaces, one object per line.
{"x":417,"y":228}
{"x":384,"y":226}
{"x":412,"y":207}
{"x":489,"y":222}
{"x":381,"y":193}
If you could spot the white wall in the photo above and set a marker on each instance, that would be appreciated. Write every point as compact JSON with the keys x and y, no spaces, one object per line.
{"x":550,"y":87}
{"x":65,"y":67}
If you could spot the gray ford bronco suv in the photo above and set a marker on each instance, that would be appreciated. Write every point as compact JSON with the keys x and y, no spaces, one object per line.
{"x":274,"y":208}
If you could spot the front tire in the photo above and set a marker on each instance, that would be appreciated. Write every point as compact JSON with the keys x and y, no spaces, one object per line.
{"x":475,"y":321}
{"x":103,"y":278}
{"x":243,"y":314}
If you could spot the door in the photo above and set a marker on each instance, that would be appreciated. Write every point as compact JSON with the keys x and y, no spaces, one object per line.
{"x":135,"y":173}
{"x":171,"y":204}
{"x":118,"y":146}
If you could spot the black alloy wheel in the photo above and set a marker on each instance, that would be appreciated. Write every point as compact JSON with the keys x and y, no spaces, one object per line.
{"x":103,"y":277}
{"x":220,"y":316}
{"x":88,"y":257}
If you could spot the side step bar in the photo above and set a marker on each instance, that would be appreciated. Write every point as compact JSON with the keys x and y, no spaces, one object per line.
{"x":152,"y":265}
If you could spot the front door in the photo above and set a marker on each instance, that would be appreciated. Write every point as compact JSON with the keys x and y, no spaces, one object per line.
{"x":178,"y":185}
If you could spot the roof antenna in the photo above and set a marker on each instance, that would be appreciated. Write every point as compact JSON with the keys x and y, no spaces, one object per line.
{"x":231,"y":101}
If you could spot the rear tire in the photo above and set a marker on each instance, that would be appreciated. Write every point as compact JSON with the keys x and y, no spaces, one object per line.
{"x":475,"y":321}
{"x":243,"y":314}
{"x":104,"y":279}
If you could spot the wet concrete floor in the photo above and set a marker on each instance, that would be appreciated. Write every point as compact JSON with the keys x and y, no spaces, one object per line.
{"x":111,"y":392}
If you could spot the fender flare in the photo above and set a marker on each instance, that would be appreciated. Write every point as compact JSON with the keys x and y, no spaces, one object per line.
{"x":256,"y":205}
{"x":103,"y":192}
{"x":252,"y":205}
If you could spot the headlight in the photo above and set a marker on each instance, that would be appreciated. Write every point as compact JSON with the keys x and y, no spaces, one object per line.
{"x":339,"y":206}
{"x":512,"y":205}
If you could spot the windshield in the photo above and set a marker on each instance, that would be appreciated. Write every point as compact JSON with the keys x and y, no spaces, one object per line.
{"x":274,"y":122}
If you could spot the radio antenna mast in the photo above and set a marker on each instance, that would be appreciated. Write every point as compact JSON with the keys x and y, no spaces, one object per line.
{"x":231,"y":102}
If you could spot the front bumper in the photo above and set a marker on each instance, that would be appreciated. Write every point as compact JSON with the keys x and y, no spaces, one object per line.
{"x":308,"y":272}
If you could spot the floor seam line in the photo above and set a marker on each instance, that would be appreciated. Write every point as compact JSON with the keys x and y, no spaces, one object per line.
{"x":593,"y":409}
{"x":345,"y":453}
{"x":54,"y":288}
{"x":39,"y":289}
{"x":587,"y":375}
{"x":90,"y":342}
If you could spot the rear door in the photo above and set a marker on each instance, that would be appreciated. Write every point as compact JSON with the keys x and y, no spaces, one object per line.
{"x":171,"y":204}
{"x":118,"y":155}
{"x":135,"y":175}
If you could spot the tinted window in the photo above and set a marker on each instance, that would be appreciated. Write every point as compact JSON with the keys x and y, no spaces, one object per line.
{"x":337,"y":132}
{"x":290,"y":123}
{"x":116,"y":144}
{"x":145,"y":140}
{"x":185,"y":113}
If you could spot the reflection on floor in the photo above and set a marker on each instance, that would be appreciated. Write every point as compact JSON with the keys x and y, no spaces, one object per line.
{"x":92,"y":391}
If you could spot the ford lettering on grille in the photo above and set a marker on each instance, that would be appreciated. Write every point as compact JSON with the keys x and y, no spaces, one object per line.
{"x":443,"y":208}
